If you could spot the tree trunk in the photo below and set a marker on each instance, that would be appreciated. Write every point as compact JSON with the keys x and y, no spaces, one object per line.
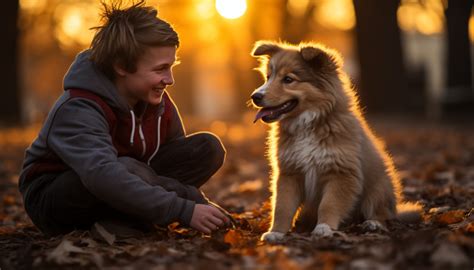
{"x":10,"y":99}
{"x":382,"y":81}
{"x":459,"y":75}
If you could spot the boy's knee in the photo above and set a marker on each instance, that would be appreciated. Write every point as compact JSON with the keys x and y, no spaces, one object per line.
{"x":138,"y":168}
{"x":133,"y":165}
{"x":216,"y":150}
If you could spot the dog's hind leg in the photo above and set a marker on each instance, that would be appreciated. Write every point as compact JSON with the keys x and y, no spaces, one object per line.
{"x":377,"y":209}
{"x":286,"y":200}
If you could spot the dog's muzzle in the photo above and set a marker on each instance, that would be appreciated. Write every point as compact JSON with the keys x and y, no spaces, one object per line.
{"x":257,"y":99}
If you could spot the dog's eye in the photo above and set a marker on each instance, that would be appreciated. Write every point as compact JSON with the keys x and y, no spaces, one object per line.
{"x":268,"y":77}
{"x":287,"y":79}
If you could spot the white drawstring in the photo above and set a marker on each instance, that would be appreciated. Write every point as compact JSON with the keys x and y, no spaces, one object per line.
{"x":142,"y":138}
{"x":157,"y":141}
{"x":133,"y":127}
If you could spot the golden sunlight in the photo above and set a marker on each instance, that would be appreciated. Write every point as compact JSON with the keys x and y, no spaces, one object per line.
{"x":335,"y":14}
{"x":205,"y":8}
{"x":471,"y":27}
{"x":297,"y":8}
{"x":427,"y":19}
{"x":219,"y":128}
{"x":73,"y":23}
{"x":231,"y":9}
{"x":32,"y":5}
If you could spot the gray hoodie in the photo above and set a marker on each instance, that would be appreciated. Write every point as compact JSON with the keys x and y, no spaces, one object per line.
{"x":77,"y":132}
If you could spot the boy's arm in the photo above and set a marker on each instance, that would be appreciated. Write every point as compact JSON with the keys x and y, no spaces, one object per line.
{"x":79,"y":135}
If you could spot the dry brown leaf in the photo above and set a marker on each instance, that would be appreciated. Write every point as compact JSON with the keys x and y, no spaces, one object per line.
{"x":450,"y":217}
{"x":213,"y":255}
{"x":9,"y":200}
{"x":469,"y":228}
{"x":259,"y":225}
{"x":249,"y":186}
{"x":137,"y":251}
{"x":233,"y":237}
{"x":104,"y":234}
{"x":449,"y":254}
{"x":173,"y":226}
{"x":61,"y":254}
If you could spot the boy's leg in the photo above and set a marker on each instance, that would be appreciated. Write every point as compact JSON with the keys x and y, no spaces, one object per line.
{"x":192,"y":160}
{"x":147,"y":174}
{"x":58,"y":204}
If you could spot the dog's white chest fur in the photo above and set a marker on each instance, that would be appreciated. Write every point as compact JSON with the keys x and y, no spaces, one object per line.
{"x":304,"y":149}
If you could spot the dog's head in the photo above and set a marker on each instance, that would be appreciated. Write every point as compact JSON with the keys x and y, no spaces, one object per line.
{"x":297,"y":79}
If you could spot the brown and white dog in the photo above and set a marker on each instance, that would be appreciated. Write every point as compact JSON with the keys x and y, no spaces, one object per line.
{"x":327,"y":165}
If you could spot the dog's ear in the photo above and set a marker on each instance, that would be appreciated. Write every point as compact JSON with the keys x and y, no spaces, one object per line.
{"x":320,"y":58}
{"x":265,"y":48}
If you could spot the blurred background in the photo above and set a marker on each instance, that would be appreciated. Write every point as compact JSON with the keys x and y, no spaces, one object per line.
{"x":405,"y":57}
{"x":409,"y":60}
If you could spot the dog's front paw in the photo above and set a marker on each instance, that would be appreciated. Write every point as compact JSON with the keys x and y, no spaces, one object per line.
{"x":322,"y":230}
{"x":272,"y":237}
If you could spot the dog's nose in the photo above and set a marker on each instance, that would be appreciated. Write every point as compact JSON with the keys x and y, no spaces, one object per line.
{"x":257,"y":98}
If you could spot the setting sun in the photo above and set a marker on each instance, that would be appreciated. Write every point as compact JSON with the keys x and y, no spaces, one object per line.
{"x":231,"y":9}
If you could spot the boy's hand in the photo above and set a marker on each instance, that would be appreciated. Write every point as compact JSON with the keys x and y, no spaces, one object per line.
{"x":207,"y":218}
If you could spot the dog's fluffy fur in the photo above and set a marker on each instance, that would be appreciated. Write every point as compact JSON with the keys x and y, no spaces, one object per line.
{"x":328,"y":168}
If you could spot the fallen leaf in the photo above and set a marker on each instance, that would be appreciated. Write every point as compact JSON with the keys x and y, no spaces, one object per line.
{"x":176,"y":253}
{"x":438,"y":210}
{"x":248,"y":186}
{"x":450,"y":217}
{"x":60,"y":254}
{"x":216,"y":256}
{"x":449,"y":254}
{"x":137,"y":251}
{"x":366,"y":263}
{"x":233,"y":237}
{"x":469,"y":228}
{"x":9,"y":200}
{"x":103,"y":234}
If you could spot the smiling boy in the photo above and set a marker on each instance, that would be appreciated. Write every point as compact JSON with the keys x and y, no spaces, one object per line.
{"x":113,"y":145}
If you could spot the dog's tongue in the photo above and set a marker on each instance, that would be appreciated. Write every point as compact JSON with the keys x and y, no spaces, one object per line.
{"x":262,"y":113}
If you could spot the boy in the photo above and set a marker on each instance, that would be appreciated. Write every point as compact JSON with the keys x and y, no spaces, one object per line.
{"x":113,"y":146}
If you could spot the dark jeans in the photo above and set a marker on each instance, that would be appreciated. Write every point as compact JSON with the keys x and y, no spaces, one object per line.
{"x":58,"y":204}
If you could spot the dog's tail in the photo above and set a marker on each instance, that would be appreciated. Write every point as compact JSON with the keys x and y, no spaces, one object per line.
{"x":409,"y":212}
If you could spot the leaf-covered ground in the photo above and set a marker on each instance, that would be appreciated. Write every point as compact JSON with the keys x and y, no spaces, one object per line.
{"x":436,"y":162}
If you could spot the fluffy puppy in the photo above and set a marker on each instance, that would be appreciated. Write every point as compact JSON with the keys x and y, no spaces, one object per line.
{"x":327,"y":165}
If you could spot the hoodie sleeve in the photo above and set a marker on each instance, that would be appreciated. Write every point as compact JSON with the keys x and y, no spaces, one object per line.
{"x":79,"y":135}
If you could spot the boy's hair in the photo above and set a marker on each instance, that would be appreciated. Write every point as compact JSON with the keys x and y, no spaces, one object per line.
{"x":126,"y":33}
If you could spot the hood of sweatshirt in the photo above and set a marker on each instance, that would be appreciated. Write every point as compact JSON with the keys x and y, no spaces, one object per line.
{"x":83,"y":74}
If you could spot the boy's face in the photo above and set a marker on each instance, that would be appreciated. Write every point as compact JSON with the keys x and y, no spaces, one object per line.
{"x":154,"y":73}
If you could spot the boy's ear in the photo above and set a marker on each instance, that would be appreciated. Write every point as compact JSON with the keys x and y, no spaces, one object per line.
{"x":319,"y":58}
{"x":265,"y":48}
{"x":119,"y":70}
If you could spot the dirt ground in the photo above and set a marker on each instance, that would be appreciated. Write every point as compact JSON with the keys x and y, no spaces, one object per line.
{"x":435,"y":161}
